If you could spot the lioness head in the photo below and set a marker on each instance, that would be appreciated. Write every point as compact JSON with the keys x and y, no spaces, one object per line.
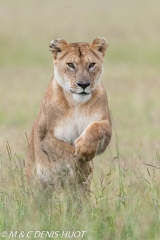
{"x":78,"y":67}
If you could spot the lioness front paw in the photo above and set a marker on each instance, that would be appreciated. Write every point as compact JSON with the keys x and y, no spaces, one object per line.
{"x":85,"y":149}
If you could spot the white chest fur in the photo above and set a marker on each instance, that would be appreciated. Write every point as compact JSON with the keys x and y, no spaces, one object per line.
{"x":70,"y":128}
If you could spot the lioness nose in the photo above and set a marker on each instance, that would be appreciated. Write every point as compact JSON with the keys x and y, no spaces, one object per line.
{"x":83,"y":85}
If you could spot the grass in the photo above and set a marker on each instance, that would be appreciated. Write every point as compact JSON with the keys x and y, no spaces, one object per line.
{"x":121,"y":195}
{"x":126,"y":177}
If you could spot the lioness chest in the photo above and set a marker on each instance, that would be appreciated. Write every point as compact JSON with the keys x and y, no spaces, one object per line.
{"x":70,"y":127}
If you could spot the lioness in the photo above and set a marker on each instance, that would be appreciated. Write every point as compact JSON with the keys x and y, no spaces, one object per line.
{"x":73,"y":125}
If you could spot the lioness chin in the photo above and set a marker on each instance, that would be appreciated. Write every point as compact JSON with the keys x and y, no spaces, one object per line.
{"x":73,"y":124}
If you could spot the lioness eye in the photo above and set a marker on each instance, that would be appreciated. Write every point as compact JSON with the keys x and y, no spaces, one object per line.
{"x":91,"y":65}
{"x":71,"y":65}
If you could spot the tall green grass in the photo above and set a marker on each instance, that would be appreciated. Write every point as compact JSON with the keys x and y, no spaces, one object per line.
{"x":124,"y":203}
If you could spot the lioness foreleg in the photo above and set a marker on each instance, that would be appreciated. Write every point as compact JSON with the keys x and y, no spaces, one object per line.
{"x":93,"y":140}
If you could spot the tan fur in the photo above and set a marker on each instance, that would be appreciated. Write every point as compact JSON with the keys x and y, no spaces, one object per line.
{"x":71,"y":127}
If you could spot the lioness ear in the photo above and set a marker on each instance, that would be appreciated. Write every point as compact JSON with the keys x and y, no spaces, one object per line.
{"x":57,"y":45}
{"x":100,"y":44}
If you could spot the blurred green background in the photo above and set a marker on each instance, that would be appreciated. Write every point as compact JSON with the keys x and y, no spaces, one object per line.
{"x":131,"y":76}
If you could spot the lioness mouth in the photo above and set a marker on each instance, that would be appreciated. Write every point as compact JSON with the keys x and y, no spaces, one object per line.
{"x":84,"y":93}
